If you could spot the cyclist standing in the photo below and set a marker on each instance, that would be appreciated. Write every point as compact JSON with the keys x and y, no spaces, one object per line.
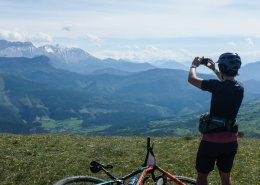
{"x":220,"y":144}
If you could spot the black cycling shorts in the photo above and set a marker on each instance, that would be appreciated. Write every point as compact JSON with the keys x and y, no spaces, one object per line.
{"x":222,"y":154}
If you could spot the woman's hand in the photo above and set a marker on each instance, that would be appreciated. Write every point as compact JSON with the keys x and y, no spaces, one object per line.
{"x":211,"y":65}
{"x":196,"y":62}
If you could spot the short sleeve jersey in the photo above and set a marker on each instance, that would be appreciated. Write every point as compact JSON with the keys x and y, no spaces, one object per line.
{"x":226,"y":97}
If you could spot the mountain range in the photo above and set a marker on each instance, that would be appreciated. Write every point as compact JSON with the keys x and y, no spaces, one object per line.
{"x":32,"y":89}
{"x":71,"y":59}
{"x":117,"y":97}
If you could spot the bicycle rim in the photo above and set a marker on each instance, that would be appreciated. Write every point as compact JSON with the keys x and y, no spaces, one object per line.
{"x":79,"y":180}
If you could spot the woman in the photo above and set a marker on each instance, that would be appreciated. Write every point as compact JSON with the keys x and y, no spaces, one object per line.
{"x":219,"y":145}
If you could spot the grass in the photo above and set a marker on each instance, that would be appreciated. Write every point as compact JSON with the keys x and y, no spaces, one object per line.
{"x":44,"y":159}
{"x":70,"y":126}
{"x":52,"y":125}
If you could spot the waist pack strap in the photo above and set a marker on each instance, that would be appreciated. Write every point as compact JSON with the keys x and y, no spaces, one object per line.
{"x":218,"y":121}
{"x":223,"y":122}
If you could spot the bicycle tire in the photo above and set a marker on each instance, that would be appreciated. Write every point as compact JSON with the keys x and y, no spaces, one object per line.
{"x":187,"y":180}
{"x":76,"y":179}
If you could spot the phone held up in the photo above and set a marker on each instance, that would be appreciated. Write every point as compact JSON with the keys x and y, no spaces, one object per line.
{"x":204,"y":61}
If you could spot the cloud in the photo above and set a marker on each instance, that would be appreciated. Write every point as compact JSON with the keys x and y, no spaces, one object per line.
{"x":16,"y":36}
{"x":148,"y":53}
{"x":41,"y":37}
{"x":185,"y":54}
{"x":152,"y":48}
{"x":131,"y":47}
{"x":233,"y":44}
{"x":96,"y":40}
{"x":250,"y":42}
{"x":67,"y":28}
{"x":250,"y":56}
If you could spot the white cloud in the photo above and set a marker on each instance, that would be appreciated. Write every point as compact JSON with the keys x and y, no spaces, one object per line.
{"x":67,"y":28}
{"x":132,"y":47}
{"x":16,"y":36}
{"x":233,"y":44}
{"x":152,"y":48}
{"x":250,"y":42}
{"x":147,"y":53}
{"x":250,"y":56}
{"x":186,"y":55}
{"x":41,"y":37}
{"x":96,"y":40}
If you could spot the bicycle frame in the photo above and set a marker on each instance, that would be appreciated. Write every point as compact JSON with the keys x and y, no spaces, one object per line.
{"x":149,"y":167}
{"x":150,"y":162}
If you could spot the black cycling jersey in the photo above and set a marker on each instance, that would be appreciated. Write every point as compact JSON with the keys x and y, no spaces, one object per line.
{"x":226,"y":97}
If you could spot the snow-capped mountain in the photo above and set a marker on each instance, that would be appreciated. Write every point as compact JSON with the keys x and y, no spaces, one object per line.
{"x":17,"y":49}
{"x":64,"y":53}
{"x":71,"y":59}
{"x":27,"y":49}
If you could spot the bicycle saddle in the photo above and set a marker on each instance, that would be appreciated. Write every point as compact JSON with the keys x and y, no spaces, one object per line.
{"x":96,"y":166}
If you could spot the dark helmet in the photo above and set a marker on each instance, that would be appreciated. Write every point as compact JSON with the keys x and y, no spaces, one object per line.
{"x":229,"y":63}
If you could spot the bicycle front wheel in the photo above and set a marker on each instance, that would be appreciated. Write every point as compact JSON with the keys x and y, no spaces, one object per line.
{"x":79,"y":180}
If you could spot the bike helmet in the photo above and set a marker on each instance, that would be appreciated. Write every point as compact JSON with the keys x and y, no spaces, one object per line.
{"x":229,"y":63}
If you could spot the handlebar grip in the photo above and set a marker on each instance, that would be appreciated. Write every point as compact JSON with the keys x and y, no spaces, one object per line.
{"x":95,"y":164}
{"x":108,"y":166}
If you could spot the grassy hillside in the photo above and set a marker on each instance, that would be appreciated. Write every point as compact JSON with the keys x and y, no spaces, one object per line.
{"x":249,"y":118}
{"x":44,"y":159}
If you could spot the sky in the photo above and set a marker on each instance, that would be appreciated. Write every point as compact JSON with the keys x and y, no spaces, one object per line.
{"x":138,"y":30}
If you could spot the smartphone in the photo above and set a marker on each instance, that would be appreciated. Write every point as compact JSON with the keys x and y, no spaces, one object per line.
{"x":205,"y":61}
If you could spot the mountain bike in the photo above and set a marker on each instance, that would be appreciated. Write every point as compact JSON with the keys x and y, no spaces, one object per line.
{"x":149,"y":170}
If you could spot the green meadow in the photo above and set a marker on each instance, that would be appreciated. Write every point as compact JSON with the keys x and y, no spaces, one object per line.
{"x":44,"y":159}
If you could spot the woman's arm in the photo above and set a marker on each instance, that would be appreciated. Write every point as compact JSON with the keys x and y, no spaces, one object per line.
{"x":192,"y":78}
